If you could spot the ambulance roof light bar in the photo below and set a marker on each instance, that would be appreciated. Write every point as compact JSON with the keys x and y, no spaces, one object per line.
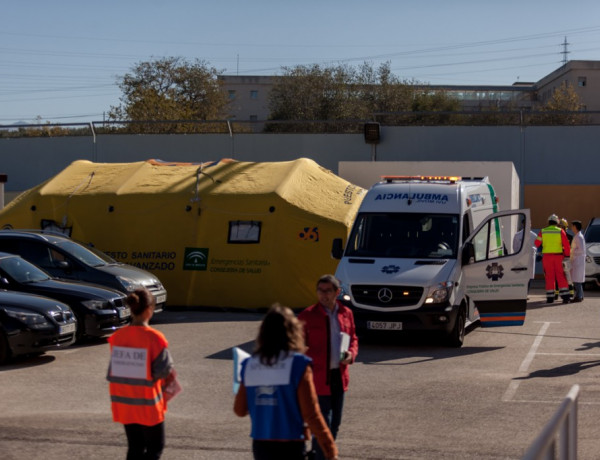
{"x":450,"y":179}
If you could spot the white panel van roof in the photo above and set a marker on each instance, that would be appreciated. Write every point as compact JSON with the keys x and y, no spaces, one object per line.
{"x":444,"y":198}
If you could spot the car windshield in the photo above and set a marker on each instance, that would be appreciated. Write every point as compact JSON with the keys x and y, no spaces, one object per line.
{"x":82,"y":253}
{"x":592,"y":234}
{"x":105,"y":257}
{"x":22,"y":271}
{"x":404,"y":235}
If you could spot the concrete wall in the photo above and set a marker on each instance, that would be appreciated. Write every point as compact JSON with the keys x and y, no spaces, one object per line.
{"x":540,"y":155}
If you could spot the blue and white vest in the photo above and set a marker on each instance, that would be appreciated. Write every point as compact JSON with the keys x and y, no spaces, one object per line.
{"x":272,"y":396}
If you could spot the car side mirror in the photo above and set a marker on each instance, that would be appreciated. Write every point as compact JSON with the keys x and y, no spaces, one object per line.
{"x":337,"y":248}
{"x":468,"y":254}
{"x":64,"y":264}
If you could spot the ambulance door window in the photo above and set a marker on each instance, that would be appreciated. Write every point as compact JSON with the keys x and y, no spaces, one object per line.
{"x":489,"y":241}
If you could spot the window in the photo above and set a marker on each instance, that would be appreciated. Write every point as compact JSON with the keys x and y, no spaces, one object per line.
{"x":489,"y":242}
{"x":466,"y":228}
{"x":581,"y":81}
{"x":404,"y":235}
{"x":244,"y":232}
{"x":253,"y":117}
{"x":231,"y":94}
{"x":254,"y":94}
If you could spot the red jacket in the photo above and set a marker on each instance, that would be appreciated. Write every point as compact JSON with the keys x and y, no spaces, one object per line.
{"x":316,"y":335}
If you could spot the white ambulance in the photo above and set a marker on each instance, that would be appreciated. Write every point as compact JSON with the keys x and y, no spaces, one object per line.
{"x":433,"y":253}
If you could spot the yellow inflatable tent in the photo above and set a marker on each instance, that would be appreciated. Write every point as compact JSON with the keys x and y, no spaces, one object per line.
{"x":221,"y":234}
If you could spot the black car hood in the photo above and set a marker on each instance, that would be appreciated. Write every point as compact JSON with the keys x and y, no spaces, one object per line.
{"x":71,"y":289}
{"x":31,"y":302}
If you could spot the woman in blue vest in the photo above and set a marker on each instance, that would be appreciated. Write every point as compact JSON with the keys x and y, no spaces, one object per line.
{"x":277,"y":391}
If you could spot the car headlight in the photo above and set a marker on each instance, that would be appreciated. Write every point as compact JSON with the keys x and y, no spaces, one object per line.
{"x":156,"y":282}
{"x":97,"y":305}
{"x":30,"y":319}
{"x":440,"y":293}
{"x":128,"y":284}
{"x":344,"y":292}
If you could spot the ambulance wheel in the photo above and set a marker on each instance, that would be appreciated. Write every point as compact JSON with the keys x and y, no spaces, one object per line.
{"x":456,"y":337}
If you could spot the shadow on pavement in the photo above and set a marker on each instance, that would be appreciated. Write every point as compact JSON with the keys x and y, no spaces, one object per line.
{"x":25,"y":361}
{"x":561,"y":371}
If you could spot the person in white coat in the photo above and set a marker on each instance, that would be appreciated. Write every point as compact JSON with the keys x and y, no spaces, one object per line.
{"x":578,"y":260}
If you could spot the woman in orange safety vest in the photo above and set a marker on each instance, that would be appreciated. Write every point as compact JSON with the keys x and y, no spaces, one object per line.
{"x":140,"y":368}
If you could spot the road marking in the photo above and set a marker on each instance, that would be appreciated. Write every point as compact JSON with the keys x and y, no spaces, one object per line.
{"x":570,"y":354}
{"x":514,"y":384}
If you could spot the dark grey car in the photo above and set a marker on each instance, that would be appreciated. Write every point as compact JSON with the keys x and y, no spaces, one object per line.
{"x":65,"y":258}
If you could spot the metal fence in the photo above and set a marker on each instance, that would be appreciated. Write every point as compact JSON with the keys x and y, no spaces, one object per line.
{"x":559,"y":436}
{"x":337,"y":126}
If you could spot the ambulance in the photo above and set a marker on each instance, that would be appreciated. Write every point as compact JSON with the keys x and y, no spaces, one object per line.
{"x":434,"y":253}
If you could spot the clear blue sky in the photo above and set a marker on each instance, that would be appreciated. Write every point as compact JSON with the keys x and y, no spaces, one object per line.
{"x":60,"y":59}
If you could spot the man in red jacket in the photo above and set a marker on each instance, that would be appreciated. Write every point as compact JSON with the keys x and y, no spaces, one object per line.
{"x":330,"y":336}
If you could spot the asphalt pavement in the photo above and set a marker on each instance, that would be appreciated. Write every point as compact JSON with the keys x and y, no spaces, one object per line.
{"x":410,"y":396}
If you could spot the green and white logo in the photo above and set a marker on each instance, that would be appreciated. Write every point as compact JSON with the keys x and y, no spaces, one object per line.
{"x":195,"y":259}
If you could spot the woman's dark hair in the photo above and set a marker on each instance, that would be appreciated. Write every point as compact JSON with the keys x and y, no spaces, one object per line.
{"x":140,"y":300}
{"x":280,"y":331}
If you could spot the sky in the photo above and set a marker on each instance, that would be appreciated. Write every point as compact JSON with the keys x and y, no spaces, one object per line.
{"x":60,"y":61}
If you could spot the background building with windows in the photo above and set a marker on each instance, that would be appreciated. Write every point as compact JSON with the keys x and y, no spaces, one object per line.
{"x":249,"y":95}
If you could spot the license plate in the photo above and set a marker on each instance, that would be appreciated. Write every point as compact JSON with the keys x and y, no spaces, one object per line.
{"x":384,"y":325}
{"x":124,"y":313}
{"x":161,"y":299}
{"x":67,"y":328}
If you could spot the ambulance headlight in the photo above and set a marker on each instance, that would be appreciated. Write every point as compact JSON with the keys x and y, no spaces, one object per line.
{"x":440,"y":293}
{"x":344,"y":292}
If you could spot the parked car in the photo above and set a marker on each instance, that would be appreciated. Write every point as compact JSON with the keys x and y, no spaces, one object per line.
{"x":33,"y":324}
{"x":99,"y":310}
{"x":65,"y":258}
{"x":592,"y":246}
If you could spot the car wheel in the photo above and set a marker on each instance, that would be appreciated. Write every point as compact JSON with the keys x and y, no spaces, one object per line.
{"x":80,"y":332}
{"x":4,"y":348}
{"x":456,"y":337}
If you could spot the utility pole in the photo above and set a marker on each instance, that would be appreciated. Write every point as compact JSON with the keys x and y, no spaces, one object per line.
{"x":564,"y":52}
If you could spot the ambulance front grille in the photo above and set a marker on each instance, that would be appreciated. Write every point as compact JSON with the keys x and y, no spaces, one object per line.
{"x":387,"y":296}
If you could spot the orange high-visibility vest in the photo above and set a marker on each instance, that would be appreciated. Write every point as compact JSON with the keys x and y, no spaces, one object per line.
{"x":136,"y":397}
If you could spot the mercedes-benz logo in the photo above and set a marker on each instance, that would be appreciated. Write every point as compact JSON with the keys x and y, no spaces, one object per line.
{"x":384,"y":295}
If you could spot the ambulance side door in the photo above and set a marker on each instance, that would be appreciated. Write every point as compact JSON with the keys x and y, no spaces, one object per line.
{"x":496,"y":275}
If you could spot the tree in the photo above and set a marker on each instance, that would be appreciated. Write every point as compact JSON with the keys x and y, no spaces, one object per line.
{"x":427,"y":102}
{"x":311,"y":93}
{"x":346,"y":96}
{"x":562,"y":107}
{"x":170,"y":89}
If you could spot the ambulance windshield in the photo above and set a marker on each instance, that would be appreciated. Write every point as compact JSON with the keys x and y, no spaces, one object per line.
{"x":404,"y":235}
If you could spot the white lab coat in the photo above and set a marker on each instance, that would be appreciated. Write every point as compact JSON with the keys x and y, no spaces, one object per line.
{"x":578,"y":258}
{"x":517,"y":239}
